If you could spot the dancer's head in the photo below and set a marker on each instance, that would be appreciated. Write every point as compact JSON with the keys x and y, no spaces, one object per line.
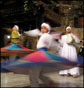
{"x":68,"y":29}
{"x":15,"y":27}
{"x":45,"y":28}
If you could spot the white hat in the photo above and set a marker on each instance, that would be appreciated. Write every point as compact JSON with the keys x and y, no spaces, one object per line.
{"x":47,"y":26}
{"x":68,"y":28}
{"x":16,"y":27}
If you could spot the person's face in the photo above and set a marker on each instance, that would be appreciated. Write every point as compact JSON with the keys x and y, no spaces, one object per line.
{"x":14,"y":28}
{"x":44,"y":29}
{"x":68,"y":30}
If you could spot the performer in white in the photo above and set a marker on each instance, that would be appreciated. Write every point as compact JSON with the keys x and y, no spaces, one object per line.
{"x":68,"y":50}
{"x":44,"y":43}
{"x":46,"y":39}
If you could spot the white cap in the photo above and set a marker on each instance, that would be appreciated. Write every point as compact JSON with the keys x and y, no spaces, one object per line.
{"x":68,"y":28}
{"x":47,"y":26}
{"x":16,"y":27}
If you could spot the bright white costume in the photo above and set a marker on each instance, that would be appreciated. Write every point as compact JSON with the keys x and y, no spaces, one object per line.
{"x":44,"y":41}
{"x":69,"y":51}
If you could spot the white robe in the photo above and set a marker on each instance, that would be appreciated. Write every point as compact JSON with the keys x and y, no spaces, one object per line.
{"x":69,"y":51}
{"x":44,"y":41}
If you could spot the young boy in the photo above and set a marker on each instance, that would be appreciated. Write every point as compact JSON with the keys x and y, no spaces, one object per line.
{"x":15,"y":35}
{"x":43,"y":44}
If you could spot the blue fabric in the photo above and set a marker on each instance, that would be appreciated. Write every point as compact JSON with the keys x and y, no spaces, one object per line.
{"x":81,"y":59}
{"x":14,"y":46}
{"x":43,"y":49}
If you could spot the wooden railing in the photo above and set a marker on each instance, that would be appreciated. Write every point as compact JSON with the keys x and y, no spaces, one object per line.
{"x":51,"y":14}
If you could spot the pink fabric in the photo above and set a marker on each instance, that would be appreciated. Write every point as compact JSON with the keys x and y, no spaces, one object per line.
{"x":38,"y":56}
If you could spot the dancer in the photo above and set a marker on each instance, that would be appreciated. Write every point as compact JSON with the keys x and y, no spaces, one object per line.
{"x":68,"y":50}
{"x":15,"y":35}
{"x":44,"y":43}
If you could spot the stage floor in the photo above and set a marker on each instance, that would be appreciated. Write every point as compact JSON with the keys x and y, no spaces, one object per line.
{"x":22,"y":80}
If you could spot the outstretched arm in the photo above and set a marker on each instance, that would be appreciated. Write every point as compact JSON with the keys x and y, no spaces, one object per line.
{"x":33,"y":33}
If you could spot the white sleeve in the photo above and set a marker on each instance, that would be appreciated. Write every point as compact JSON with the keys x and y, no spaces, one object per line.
{"x":33,"y":33}
{"x":55,"y":34}
{"x":52,"y":43}
{"x":55,"y":45}
{"x":77,"y":40}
